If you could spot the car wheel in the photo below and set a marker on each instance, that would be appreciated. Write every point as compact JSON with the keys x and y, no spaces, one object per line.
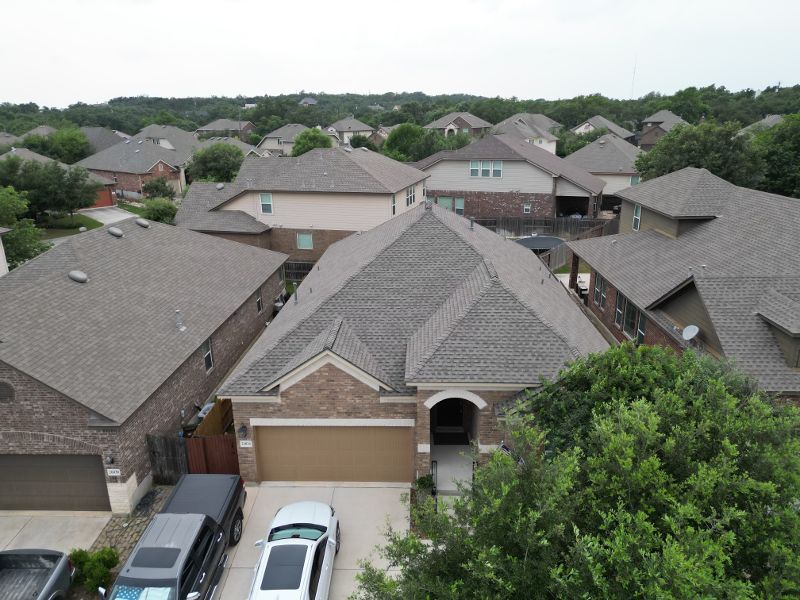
{"x":338,"y":538}
{"x":236,"y":529}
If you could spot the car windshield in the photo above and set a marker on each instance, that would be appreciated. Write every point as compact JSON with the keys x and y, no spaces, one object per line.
{"x":135,"y":592}
{"x":303,"y":531}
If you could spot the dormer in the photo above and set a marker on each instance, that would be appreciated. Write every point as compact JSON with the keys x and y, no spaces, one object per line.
{"x":782,"y":314}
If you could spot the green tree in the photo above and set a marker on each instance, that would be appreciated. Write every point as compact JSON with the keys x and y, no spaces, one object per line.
{"x":218,"y":162}
{"x":162,"y":210}
{"x":67,"y":145}
{"x":24,"y":241}
{"x":637,"y":474}
{"x":158,"y":187}
{"x":310,"y":139}
{"x":401,"y":140}
{"x":779,"y":147}
{"x":569,"y":141}
{"x":362,"y":141}
{"x":712,"y":146}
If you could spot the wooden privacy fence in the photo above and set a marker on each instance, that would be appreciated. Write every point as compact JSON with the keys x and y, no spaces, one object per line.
{"x":212,"y":454}
{"x":167,"y":458}
{"x":559,"y":256}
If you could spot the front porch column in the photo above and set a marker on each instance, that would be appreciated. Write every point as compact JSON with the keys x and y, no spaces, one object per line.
{"x":422,"y":439}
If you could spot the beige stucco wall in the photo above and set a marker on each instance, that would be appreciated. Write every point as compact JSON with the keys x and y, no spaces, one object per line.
{"x":336,"y":211}
{"x":583,"y":128}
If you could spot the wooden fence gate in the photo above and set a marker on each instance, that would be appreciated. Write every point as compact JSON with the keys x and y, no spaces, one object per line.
{"x":212,"y":454}
{"x":167,"y":458}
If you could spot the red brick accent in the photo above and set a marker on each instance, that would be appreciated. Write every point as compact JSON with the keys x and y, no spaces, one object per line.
{"x":285,"y":240}
{"x":491,"y":205}
{"x":132,"y":182}
{"x":260,"y":240}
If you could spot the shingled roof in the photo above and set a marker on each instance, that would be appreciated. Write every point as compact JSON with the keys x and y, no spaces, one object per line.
{"x":26,"y":154}
{"x":224,"y":125}
{"x":101,"y":138}
{"x":417,"y":291}
{"x":349,"y":124}
{"x":608,"y":154}
{"x":529,"y":126}
{"x":469,"y":118}
{"x":513,"y":147}
{"x":738,"y":261}
{"x":600,"y":122}
{"x":196,"y":211}
{"x":665,"y":119}
{"x":113,"y":340}
{"x":287,"y":133}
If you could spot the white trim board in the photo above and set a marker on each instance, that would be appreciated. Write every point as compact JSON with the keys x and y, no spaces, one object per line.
{"x":398,"y":400}
{"x":253,"y":399}
{"x":319,"y":361}
{"x":277,"y":422}
{"x":486,"y":387}
{"x":479,"y":402}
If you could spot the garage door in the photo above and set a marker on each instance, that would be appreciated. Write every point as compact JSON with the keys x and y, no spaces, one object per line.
{"x":335,"y":453}
{"x":52,"y":482}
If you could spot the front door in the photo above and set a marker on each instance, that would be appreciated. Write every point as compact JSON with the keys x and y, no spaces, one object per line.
{"x":445,"y":202}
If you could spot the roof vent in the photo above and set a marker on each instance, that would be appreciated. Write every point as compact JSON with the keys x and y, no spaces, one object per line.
{"x":116,"y":232}
{"x":127,"y":141}
{"x":601,"y":142}
{"x":143,"y":223}
{"x":179,"y":321}
{"x":78,"y":276}
{"x":137,"y":150}
{"x":220,"y":186}
{"x":139,"y":142}
{"x":365,"y":149}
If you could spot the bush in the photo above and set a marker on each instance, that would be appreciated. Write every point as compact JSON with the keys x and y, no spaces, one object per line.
{"x":162,"y":210}
{"x":158,"y":188}
{"x":93,"y":569}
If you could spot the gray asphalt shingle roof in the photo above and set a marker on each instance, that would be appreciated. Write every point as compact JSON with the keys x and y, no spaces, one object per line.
{"x":101,"y":138}
{"x":529,"y":125}
{"x":469,"y":118}
{"x":26,"y":154}
{"x":224,"y":125}
{"x":607,"y":154}
{"x":42,"y":130}
{"x":599,"y":121}
{"x":287,"y":133}
{"x":781,"y":310}
{"x":195,"y":211}
{"x":665,"y":119}
{"x":7,"y":139}
{"x":765,"y":123}
{"x":350,"y":124}
{"x":113,"y":341}
{"x":513,"y":147}
{"x":734,"y":260}
{"x":417,"y":288}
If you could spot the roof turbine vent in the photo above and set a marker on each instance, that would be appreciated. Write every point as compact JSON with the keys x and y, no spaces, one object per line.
{"x":78,"y":276}
{"x":143,"y":223}
{"x":220,"y":186}
{"x":116,"y":232}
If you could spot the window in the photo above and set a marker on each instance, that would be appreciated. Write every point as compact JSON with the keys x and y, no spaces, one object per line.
{"x":474,"y":168}
{"x":394,"y":205}
{"x":486,"y":168}
{"x":630,"y":319}
{"x":316,"y":569}
{"x":282,"y":273}
{"x":6,"y":392}
{"x":305,"y":241}
{"x":634,"y":179}
{"x":600,"y":290}
{"x":445,"y":202}
{"x":526,"y":209}
{"x":208,"y":355}
{"x":411,"y":195}
{"x":259,"y":301}
{"x":497,"y":168}
{"x":160,"y":166}
{"x":266,"y":204}
{"x":459,"y":206}
{"x":539,"y":141}
{"x":465,"y":130}
{"x":637,"y":217}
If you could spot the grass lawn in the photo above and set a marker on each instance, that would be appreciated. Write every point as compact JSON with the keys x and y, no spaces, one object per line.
{"x":137,"y":210}
{"x":61,"y":226}
{"x":582,"y":268}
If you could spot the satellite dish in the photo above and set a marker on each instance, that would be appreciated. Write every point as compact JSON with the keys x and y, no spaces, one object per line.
{"x":690,"y":332}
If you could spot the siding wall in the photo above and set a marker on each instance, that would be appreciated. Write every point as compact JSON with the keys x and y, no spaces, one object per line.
{"x":567,"y":188}
{"x":686,"y":308}
{"x":614,"y":183}
{"x":649,"y":220}
{"x":517,"y":176}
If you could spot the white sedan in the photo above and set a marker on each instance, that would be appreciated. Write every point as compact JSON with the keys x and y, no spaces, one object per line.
{"x":297,"y":560}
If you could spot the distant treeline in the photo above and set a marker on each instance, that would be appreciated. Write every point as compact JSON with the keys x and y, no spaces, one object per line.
{"x":131,"y":114}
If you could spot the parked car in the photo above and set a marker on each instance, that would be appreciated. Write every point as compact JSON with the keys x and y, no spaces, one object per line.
{"x":181,"y":554}
{"x":34,"y":575}
{"x":297,"y":558}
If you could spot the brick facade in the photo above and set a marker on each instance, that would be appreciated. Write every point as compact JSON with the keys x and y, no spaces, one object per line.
{"x":133,"y":182}
{"x":43,"y":421}
{"x":285,"y":240}
{"x":259,"y":240}
{"x":492,"y":205}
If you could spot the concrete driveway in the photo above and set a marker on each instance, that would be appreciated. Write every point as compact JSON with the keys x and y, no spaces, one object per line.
{"x":363,"y":510}
{"x":107,"y":215}
{"x":50,"y":530}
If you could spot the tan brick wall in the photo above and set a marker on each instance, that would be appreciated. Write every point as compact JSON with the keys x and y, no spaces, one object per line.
{"x":285,"y":240}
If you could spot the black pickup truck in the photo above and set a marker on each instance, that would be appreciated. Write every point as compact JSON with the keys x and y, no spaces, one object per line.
{"x":181,"y":554}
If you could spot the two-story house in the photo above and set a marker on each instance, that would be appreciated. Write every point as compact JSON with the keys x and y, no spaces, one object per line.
{"x":281,"y":141}
{"x":460,"y":122}
{"x":346,"y":128}
{"x":657,"y":126}
{"x":600,"y":122}
{"x":227,"y":127}
{"x":610,"y":158}
{"x":301,"y":205}
{"x":534,"y":128}
{"x":701,"y":263}
{"x":505,"y":176}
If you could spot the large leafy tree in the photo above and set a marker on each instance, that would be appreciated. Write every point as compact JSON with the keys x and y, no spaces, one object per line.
{"x":67,"y":145}
{"x":401,"y":140}
{"x":569,"y":141}
{"x":713,"y":146}
{"x":218,"y":162}
{"x":780,"y":148}
{"x":310,"y":139}
{"x":637,"y":474}
{"x":158,"y":187}
{"x":24,"y":241}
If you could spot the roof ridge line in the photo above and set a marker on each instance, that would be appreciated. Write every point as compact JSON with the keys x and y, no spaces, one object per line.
{"x":333,"y":333}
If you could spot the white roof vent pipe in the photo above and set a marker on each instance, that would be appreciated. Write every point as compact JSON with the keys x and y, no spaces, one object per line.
{"x":179,"y":324}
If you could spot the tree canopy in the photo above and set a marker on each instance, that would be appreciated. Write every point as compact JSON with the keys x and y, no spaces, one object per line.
{"x":162,"y":210}
{"x":310,"y":139}
{"x":779,"y":147}
{"x":637,"y":474}
{"x":569,"y":141}
{"x":67,"y":145}
{"x":158,"y":187}
{"x":24,"y":241}
{"x":218,"y":162}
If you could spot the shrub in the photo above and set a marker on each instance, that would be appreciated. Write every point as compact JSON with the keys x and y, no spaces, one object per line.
{"x":93,"y":569}
{"x":158,"y":188}
{"x":160,"y":209}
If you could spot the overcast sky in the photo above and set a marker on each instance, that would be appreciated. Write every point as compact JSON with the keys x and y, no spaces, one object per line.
{"x":58,"y":52}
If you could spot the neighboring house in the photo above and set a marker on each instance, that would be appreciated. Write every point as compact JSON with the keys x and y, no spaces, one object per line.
{"x":82,"y":385}
{"x":105,"y":195}
{"x":765,"y":123}
{"x":534,"y":128}
{"x":307,"y":101}
{"x":379,"y":135}
{"x":3,"y":261}
{"x":402,"y":347}
{"x":657,"y":126}
{"x":694,"y":249}
{"x":347,"y":128}
{"x":41,"y":130}
{"x":505,"y":176}
{"x":610,"y":158}
{"x":460,"y":122}
{"x":156,"y":151}
{"x":600,"y":122}
{"x":300,"y":206}
{"x":281,"y":141}
{"x":7,"y":139}
{"x":228,"y":127}
{"x":101,"y":138}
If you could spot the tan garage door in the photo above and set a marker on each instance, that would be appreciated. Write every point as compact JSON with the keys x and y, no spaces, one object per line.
{"x":52,"y":482}
{"x":335,"y":453}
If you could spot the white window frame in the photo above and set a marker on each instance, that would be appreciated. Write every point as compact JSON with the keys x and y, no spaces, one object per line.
{"x":411,"y":195}
{"x":261,"y":203}
{"x":526,"y":209}
{"x":310,"y":235}
{"x":488,"y":168}
{"x":632,"y":182}
{"x":474,"y":168}
{"x":600,"y":287}
{"x":259,"y":301}
{"x":208,"y":355}
{"x":636,"y":223}
{"x":497,"y":167}
{"x":394,"y":205}
{"x":456,"y":208}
